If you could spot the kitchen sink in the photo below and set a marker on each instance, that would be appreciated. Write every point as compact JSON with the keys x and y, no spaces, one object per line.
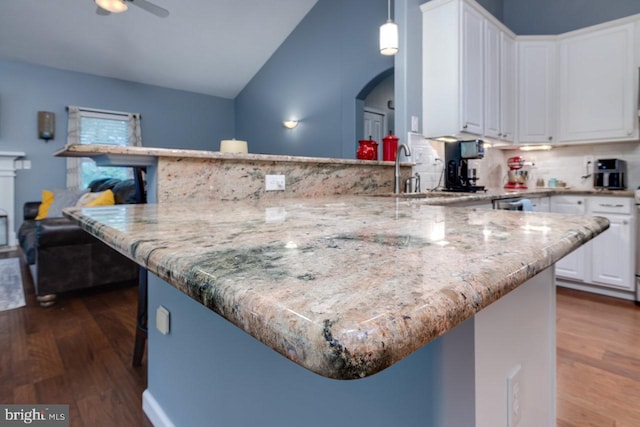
{"x":427,"y":195}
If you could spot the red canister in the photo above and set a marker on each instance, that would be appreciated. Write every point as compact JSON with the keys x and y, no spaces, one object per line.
{"x":389,"y":147}
{"x":368,"y":150}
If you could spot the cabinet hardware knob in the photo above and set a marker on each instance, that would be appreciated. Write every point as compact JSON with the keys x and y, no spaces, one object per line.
{"x":579,"y":202}
{"x":550,"y":138}
{"x":625,"y":222}
{"x":465,"y":126}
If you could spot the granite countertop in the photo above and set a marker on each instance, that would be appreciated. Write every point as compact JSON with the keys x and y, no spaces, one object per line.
{"x":344,"y":286}
{"x":444,"y":198}
{"x":95,"y":150}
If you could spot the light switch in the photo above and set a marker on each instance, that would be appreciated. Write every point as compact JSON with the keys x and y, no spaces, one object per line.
{"x":163,"y":320}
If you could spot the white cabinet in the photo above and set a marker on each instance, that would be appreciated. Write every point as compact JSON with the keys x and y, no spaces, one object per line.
{"x":540,"y":204}
{"x":536,"y":83}
{"x":492,"y":77}
{"x":598,"y":85}
{"x":500,"y":77}
{"x":605,"y":265}
{"x":571,"y":266}
{"x":452,"y":66}
{"x":507,"y":87}
{"x":613,"y":252}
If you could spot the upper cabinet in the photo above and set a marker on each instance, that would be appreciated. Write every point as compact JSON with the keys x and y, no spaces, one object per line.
{"x":500,"y":77}
{"x":452,"y":65}
{"x":598,"y":84}
{"x":536,"y":101}
{"x":463,"y":71}
{"x":480,"y":79}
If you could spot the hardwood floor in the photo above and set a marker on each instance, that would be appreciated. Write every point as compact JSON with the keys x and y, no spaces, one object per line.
{"x":79,"y":352}
{"x":598,"y":340}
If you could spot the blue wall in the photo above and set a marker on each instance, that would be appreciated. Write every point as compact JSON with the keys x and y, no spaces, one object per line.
{"x":170,"y":118}
{"x":315,"y":77}
{"x":526,"y":17}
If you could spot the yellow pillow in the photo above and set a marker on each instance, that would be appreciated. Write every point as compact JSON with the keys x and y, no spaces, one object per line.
{"x":47,"y":199}
{"x":105,"y":199}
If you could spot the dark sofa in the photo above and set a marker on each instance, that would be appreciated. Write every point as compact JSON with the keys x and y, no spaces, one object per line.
{"x":63,"y":257}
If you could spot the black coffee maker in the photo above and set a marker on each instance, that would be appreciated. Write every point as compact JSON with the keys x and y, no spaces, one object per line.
{"x":610,"y":174}
{"x":458,"y":175}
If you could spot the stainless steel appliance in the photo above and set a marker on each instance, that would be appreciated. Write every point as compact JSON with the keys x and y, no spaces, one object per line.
{"x":458,"y":175}
{"x":610,"y":174}
{"x":513,"y":204}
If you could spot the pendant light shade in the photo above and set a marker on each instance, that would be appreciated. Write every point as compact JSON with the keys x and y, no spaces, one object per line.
{"x":389,"y":34}
{"x":113,"y":6}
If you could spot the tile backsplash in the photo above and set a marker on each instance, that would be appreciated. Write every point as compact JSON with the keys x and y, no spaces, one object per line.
{"x":568,"y":163}
{"x":565,"y":163}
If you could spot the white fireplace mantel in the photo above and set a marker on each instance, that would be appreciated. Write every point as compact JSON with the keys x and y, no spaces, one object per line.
{"x":7,"y":190}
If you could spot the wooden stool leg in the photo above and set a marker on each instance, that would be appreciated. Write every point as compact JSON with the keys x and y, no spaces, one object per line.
{"x":141,"y":323}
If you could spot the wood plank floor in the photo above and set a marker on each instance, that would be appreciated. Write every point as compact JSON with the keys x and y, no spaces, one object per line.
{"x":598,"y":341}
{"x":79,"y":352}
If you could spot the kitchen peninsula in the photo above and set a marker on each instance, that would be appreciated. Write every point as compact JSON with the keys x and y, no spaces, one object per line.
{"x":422,"y":312}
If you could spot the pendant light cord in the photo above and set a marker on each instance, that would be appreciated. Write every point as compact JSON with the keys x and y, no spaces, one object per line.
{"x":388,"y":10}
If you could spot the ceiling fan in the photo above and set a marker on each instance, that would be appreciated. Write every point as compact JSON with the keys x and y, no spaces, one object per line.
{"x":107,"y":7}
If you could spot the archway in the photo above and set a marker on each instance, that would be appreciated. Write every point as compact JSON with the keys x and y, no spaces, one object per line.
{"x":376,"y":99}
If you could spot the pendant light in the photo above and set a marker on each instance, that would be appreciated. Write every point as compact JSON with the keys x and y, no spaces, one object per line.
{"x":113,"y":6}
{"x":389,"y":35}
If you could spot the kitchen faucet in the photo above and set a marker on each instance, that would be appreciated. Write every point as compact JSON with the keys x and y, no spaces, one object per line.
{"x":396,"y":177}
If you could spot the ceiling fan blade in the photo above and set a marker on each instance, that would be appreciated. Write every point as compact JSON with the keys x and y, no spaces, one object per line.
{"x":102,"y":12}
{"x":151,"y":8}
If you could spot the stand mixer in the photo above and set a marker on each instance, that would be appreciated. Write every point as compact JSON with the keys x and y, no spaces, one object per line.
{"x":518,"y":177}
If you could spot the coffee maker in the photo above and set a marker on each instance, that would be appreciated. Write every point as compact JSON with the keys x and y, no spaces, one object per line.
{"x":458,"y":175}
{"x":610,"y":174}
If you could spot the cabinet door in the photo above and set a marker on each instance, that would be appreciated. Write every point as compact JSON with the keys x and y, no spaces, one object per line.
{"x":472,"y":71}
{"x":535,"y":90}
{"x":613,"y":252}
{"x":598,"y":92}
{"x":540,"y":204}
{"x":573,"y":265}
{"x":507,"y":87}
{"x":492,"y":79}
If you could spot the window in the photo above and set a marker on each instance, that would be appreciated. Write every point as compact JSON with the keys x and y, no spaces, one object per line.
{"x":90,"y":126}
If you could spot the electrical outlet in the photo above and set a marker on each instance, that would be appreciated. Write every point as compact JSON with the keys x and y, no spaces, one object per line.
{"x":274,"y":183}
{"x":514,"y":397}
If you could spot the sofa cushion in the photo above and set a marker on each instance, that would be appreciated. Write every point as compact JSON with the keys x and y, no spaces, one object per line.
{"x":27,"y":239}
{"x":102,"y":184}
{"x":63,"y":199}
{"x":125,"y":192}
{"x":47,"y":200}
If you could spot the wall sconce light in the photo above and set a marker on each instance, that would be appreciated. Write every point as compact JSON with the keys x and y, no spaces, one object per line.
{"x":290,"y":124}
{"x":389,"y":35}
{"x":46,"y":125}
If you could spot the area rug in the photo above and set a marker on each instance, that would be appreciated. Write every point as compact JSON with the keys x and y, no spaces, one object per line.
{"x":11,"y":291}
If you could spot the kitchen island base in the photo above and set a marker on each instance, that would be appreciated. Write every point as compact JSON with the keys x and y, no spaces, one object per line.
{"x":206,"y":371}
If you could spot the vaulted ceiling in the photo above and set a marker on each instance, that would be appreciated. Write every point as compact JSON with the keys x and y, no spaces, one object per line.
{"x":212,"y":47}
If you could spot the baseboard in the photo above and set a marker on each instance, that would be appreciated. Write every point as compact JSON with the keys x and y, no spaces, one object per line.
{"x":627,"y":295}
{"x":154,"y":411}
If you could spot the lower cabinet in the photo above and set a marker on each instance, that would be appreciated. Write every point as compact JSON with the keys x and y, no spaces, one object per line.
{"x":613,"y":252}
{"x":605,"y":265}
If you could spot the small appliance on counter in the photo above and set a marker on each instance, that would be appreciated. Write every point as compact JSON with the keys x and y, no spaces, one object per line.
{"x":518,"y":177}
{"x":610,"y":174}
{"x":458,"y":175}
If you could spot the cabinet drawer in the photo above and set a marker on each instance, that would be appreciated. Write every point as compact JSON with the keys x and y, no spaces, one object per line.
{"x":619,"y":205}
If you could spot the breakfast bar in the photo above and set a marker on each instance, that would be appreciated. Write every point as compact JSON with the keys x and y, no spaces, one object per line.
{"x":345,"y":310}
